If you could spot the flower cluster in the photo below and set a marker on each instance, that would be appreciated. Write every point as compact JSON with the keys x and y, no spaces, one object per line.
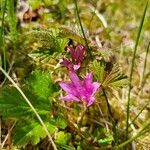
{"x":76,"y":89}
{"x":77,"y":56}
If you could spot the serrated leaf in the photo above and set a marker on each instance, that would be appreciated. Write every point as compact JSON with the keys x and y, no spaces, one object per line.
{"x":69,"y":34}
{"x":50,"y":45}
{"x":49,"y":40}
{"x":41,"y":84}
{"x":30,"y":131}
{"x":60,"y":122}
{"x":12,"y":104}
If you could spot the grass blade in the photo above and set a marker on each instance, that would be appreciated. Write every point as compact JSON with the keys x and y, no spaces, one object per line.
{"x":132,"y":67}
{"x":144,"y":68}
{"x":2,"y":43}
{"x":77,"y":11}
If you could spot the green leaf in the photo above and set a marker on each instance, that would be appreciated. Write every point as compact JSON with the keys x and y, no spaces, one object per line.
{"x":99,"y":70}
{"x":115,"y":78}
{"x":49,"y":45}
{"x":62,"y":137}
{"x":30,"y":131}
{"x":105,"y":141}
{"x":69,"y":34}
{"x":66,"y":147}
{"x":48,"y":39}
{"x":60,"y":122}
{"x":41,"y":84}
{"x":12,"y":104}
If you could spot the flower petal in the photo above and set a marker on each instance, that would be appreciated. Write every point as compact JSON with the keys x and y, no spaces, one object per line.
{"x":88,"y":79}
{"x":90,"y":101}
{"x":75,"y":79}
{"x":69,"y":88}
{"x":79,"y":53}
{"x":88,"y":83}
{"x":70,"y":98}
{"x":76,"y":67}
{"x":65,"y":62}
{"x":95,"y":85}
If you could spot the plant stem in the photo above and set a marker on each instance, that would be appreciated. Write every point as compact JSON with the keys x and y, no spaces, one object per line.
{"x":108,"y":105}
{"x":147,"y":50}
{"x":143,"y":130}
{"x":138,"y":114}
{"x":82,"y":30}
{"x":12,"y":22}
{"x":3,"y":8}
{"x":31,"y":106}
{"x":132,"y":68}
{"x":82,"y":115}
{"x":114,"y":123}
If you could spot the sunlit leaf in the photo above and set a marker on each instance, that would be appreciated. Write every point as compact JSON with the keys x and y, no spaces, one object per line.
{"x":30,"y":131}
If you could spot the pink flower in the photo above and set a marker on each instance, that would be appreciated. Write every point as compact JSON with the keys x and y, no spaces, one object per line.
{"x":77,"y":56}
{"x":69,"y":65}
{"x":81,"y":91}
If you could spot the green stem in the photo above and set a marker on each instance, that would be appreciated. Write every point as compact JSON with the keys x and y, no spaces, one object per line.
{"x":142,"y":131}
{"x":138,"y":114}
{"x":82,"y":115}
{"x":132,"y":68}
{"x":3,"y":8}
{"x":114,"y":123}
{"x":86,"y":42}
{"x":147,"y":50}
{"x":108,"y":105}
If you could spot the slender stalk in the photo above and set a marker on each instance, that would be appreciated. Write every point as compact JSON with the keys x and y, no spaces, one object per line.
{"x":132,"y":68}
{"x":108,"y":105}
{"x":82,"y":30}
{"x":142,"y":131}
{"x":147,"y":50}
{"x":7,"y":136}
{"x":12,"y":24}
{"x":114,"y":123}
{"x":82,"y":115}
{"x":3,"y":8}
{"x":138,"y":114}
{"x":31,"y":106}
{"x":0,"y":132}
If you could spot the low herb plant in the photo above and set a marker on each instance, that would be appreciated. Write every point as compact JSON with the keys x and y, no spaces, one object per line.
{"x":68,"y":93}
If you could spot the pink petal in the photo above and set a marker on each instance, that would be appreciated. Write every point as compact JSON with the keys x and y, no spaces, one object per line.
{"x":88,"y":79}
{"x":95,"y":85}
{"x":75,"y":79}
{"x":90,"y":101}
{"x":76,"y":67}
{"x":72,"y":51}
{"x":65,"y":62}
{"x":70,"y":98}
{"x":88,"y":82}
{"x":68,"y":87}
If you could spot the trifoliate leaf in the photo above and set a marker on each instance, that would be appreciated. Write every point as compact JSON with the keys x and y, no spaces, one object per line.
{"x":30,"y":131}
